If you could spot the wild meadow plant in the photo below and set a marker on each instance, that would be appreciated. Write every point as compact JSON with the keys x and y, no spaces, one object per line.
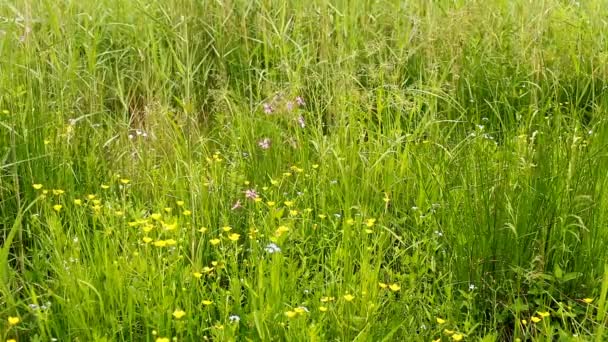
{"x":303,"y":170}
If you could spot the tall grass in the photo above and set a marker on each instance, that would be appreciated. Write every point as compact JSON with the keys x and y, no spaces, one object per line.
{"x":442,"y":177}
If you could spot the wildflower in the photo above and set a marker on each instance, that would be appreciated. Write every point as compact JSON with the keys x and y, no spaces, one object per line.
{"x":370,"y":222}
{"x":57,"y":207}
{"x":544,"y":314}
{"x":214,"y":241}
{"x":203,"y":229}
{"x":440,"y":320}
{"x":160,"y":243}
{"x":234,"y":319}
{"x":78,"y":201}
{"x":105,"y":187}
{"x":271,"y":203}
{"x":327,"y":299}
{"x":234,"y":237}
{"x":268,"y":108}
{"x":156,"y":216}
{"x":226,"y":228}
{"x":58,"y":192}
{"x":207,"y":302}
{"x":251,"y":194}
{"x":348,"y":297}
{"x":180,"y":203}
{"x":163,"y":339}
{"x":281,"y":230}
{"x":588,"y":300}
{"x":457,"y":337}
{"x":287,"y":174}
{"x":386,"y":197}
{"x":236,"y":205}
{"x":186,"y":212}
{"x":125,"y":181}
{"x":394,"y":287}
{"x":289,"y":203}
{"x":197,"y":275}
{"x":11,"y":340}
{"x":272,"y":248}
{"x":535,"y":319}
{"x":179,"y":313}
{"x":323,"y":308}
{"x":293,"y":213}
{"x":448,"y":332}
{"x":170,"y":226}
{"x":37,"y":186}
{"x":289,"y":105}
{"x":322,"y":216}
{"x":168,"y":210}
{"x":524,"y":322}
{"x":382,"y":285}
{"x":301,"y":309}
{"x":91,"y":197}
{"x":300,"y":101}
{"x":170,"y":242}
{"x":264,"y":144}
{"x":301,"y":121}
{"x":13,"y":320}
{"x":291,"y":314}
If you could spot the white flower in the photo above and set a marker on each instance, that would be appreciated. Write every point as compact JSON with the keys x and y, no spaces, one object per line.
{"x":272,"y":248}
{"x":234,"y":319}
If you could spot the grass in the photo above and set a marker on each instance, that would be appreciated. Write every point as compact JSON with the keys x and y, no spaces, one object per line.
{"x":303,"y":170}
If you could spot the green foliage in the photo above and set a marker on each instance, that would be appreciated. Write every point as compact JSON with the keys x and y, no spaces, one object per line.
{"x":427,"y":170}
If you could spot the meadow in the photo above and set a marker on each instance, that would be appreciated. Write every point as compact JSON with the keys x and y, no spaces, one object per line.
{"x":287,"y":170}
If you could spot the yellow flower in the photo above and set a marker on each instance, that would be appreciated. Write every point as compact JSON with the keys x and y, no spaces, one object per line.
{"x":281,"y":230}
{"x":170,"y":242}
{"x":124,"y":181}
{"x":370,"y":222}
{"x":197,"y":275}
{"x":147,"y":239}
{"x":179,"y":203}
{"x":187,"y":213}
{"x":291,"y":314}
{"x":274,"y":182}
{"x":524,"y":322}
{"x":350,"y":222}
{"x":96,"y":202}
{"x":322,"y":216}
{"x":163,"y":339}
{"x":395,"y":287}
{"x":37,"y":186}
{"x":203,"y":229}
{"x":207,"y":302}
{"x":588,"y":300}
{"x":226,"y":228}
{"x":382,"y":285}
{"x":289,"y":203}
{"x":234,"y":237}
{"x":300,"y":310}
{"x":293,"y":213}
{"x":257,"y":199}
{"x":147,"y":228}
{"x":437,"y":340}
{"x":448,"y":332}
{"x":78,"y":202}
{"x":58,"y":192}
{"x":315,"y":166}
{"x":544,"y":314}
{"x":369,"y":231}
{"x":386,"y":197}
{"x":457,"y":337}
{"x":287,"y":174}
{"x":323,"y":308}
{"x":160,"y":243}
{"x":179,"y":313}
{"x":57,"y":207}
{"x":170,"y":226}
{"x":11,"y":340}
{"x":91,"y":197}
{"x":168,"y":210}
{"x":214,"y":241}
{"x":105,"y":187}
{"x":13,"y":320}
{"x":156,"y":216}
{"x":440,"y":320}
{"x":348,"y":297}
{"x":271,"y":203}
{"x":535,"y":319}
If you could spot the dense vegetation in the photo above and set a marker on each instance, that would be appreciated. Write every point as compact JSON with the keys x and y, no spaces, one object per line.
{"x":303,"y":170}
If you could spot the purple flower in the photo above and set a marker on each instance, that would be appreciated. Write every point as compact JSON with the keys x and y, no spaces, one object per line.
{"x":264,"y":143}
{"x":289,"y":106}
{"x":301,"y":121}
{"x":268,"y":108}
{"x":236,"y":205}
{"x":251,"y":194}
{"x":300,"y":101}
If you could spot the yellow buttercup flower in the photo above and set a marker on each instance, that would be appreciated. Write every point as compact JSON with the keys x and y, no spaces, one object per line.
{"x":13,"y":320}
{"x":291,"y":314}
{"x":370,"y":222}
{"x":544,"y":314}
{"x":179,"y":203}
{"x":214,"y":241}
{"x":58,"y":192}
{"x":457,"y":337}
{"x":234,"y":237}
{"x":197,"y":275}
{"x":78,"y":201}
{"x":395,"y":287}
{"x":524,"y":322}
{"x":37,"y":186}
{"x":271,"y":203}
{"x":186,"y":213}
{"x":281,"y":230}
{"x":226,"y":228}
{"x":440,"y":320}
{"x":203,"y":229}
{"x":289,"y":203}
{"x":588,"y":300}
{"x":105,"y":187}
{"x":163,"y":339}
{"x":207,"y":302}
{"x":348,"y":297}
{"x":160,"y":243}
{"x":125,"y":181}
{"x":178,"y":314}
{"x":535,"y":319}
{"x":147,"y":239}
{"x":11,"y":340}
{"x":323,"y":308}
{"x":382,"y":285}
{"x":57,"y":207}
